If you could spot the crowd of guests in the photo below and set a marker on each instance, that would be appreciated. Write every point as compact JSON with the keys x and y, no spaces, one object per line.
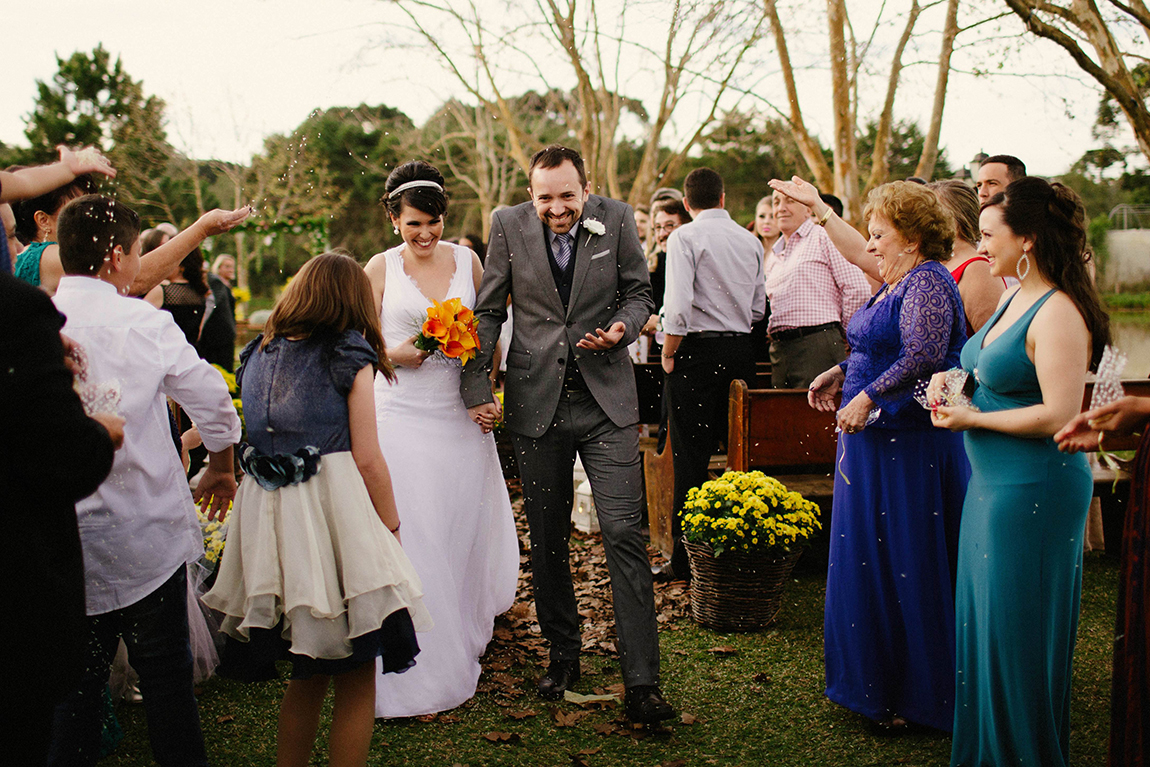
{"x":956,"y":527}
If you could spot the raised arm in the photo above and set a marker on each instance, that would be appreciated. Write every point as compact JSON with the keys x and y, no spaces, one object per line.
{"x":849,"y":242}
{"x":33,"y":182}
{"x":157,"y":265}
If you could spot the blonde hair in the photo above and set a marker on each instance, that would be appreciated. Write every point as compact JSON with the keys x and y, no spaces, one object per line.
{"x":962,"y":202}
{"x":916,"y":213}
{"x":330,"y":294}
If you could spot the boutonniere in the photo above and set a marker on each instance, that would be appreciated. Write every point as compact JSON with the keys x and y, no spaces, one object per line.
{"x":593,"y":226}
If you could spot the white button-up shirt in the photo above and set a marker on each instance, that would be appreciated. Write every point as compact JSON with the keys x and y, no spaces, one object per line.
{"x":714,"y":277}
{"x":140,"y":525}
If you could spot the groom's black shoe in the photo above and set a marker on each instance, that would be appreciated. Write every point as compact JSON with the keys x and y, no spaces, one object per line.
{"x":645,"y":705}
{"x":561,"y":676}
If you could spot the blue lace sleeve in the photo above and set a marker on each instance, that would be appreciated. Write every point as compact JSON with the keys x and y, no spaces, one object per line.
{"x":925,"y":323}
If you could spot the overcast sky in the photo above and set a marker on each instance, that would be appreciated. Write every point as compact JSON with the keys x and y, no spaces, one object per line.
{"x":235,"y":71}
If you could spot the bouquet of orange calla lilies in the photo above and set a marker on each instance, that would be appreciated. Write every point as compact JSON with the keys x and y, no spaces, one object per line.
{"x":449,"y":329}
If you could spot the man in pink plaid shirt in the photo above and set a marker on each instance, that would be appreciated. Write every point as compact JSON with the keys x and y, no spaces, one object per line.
{"x":813,"y":293}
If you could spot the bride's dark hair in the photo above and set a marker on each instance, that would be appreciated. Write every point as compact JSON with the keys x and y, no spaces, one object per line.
{"x":428,"y":199}
{"x":1054,"y":216}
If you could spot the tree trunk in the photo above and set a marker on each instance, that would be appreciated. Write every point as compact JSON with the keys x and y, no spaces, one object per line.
{"x":846,"y":177}
{"x":929,"y":157}
{"x":880,"y":167}
{"x":809,"y":148}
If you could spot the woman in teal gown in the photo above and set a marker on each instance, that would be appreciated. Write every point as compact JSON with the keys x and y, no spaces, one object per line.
{"x":1020,"y":540}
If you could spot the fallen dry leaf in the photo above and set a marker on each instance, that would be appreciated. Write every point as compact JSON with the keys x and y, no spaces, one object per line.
{"x":225,"y":719}
{"x":723,"y":650}
{"x":688,"y":719}
{"x":525,"y":714}
{"x":566,"y":718}
{"x":589,"y":751}
{"x":502,"y":737}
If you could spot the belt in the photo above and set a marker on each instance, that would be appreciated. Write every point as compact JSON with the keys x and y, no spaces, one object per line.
{"x":793,"y":333}
{"x":704,"y":334}
{"x":573,"y":380}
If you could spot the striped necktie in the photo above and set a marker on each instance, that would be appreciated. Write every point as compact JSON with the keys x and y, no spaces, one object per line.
{"x":562,"y":250}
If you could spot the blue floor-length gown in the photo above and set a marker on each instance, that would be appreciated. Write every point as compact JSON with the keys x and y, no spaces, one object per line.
{"x":899,"y":485}
{"x":1019,"y":572}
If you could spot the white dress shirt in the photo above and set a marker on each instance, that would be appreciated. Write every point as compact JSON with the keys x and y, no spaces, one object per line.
{"x":714,"y":277}
{"x":141,"y":525}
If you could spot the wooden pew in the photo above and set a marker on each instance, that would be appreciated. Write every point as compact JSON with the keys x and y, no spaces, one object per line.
{"x":658,"y":468}
{"x":778,"y":432}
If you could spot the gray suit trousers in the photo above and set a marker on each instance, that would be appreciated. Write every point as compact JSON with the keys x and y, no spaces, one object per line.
{"x":610,"y":456}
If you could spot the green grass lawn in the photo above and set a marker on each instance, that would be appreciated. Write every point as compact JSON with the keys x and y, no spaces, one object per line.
{"x":760,"y":705}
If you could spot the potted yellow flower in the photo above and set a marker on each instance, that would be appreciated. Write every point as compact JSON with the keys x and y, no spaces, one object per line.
{"x":743,"y":532}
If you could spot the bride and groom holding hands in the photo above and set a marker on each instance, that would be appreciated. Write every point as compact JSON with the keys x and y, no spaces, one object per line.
{"x":573,"y":268}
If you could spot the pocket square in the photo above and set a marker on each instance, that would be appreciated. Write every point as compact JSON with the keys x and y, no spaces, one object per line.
{"x":600,"y":255}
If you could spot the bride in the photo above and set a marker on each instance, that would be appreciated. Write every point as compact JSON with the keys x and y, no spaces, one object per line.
{"x":457,"y":525}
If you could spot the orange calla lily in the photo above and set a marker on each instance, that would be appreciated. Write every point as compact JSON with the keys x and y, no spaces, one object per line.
{"x":450,"y":328}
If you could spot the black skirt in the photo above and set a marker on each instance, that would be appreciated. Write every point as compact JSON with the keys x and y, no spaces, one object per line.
{"x":254,"y":660}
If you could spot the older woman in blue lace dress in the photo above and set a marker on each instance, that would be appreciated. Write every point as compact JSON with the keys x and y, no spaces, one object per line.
{"x":899,"y":484}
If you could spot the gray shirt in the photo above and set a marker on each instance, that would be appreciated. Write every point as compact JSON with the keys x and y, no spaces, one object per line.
{"x":714,"y":277}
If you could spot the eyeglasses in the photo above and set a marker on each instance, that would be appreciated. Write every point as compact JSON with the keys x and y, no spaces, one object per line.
{"x":669,"y":227}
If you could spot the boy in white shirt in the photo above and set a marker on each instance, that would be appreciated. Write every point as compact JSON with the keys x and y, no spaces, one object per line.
{"x":139,"y":529}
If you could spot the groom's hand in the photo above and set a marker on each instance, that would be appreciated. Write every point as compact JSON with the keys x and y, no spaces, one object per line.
{"x":603,"y":339}
{"x":485,"y":415}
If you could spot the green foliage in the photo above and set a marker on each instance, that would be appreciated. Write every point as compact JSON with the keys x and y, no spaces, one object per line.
{"x":1127,"y":301}
{"x":92,"y":100}
{"x":747,"y":150}
{"x":359,"y":146}
{"x":1096,"y":238}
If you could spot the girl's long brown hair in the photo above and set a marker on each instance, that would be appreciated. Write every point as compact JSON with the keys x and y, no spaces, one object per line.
{"x":330,"y":294}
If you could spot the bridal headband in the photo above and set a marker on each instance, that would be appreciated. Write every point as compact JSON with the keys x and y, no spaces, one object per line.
{"x":412,"y":185}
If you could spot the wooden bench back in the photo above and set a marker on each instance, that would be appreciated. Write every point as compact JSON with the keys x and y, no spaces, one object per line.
{"x":777,"y":431}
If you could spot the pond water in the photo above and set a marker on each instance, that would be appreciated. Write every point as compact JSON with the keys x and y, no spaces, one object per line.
{"x":1130,"y":332}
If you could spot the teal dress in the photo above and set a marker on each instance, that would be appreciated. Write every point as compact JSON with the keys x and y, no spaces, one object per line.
{"x":1019,"y":572}
{"x":28,"y":263}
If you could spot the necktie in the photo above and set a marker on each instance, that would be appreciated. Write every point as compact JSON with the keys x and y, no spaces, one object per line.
{"x":562,"y":250}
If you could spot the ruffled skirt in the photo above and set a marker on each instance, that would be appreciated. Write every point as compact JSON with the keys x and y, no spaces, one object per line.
{"x":313,"y":564}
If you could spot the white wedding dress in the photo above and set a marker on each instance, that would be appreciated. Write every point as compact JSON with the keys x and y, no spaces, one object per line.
{"x":457,"y":526}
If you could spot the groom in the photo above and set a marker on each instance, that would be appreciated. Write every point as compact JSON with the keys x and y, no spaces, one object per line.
{"x":574,"y":269}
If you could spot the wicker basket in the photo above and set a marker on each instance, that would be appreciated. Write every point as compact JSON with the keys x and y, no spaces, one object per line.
{"x":736,"y":591}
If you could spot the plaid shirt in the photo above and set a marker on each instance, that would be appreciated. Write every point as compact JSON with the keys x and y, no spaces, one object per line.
{"x":810,"y":283}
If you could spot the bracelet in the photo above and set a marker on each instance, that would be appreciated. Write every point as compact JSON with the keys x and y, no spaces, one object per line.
{"x":396,"y":530}
{"x":668,"y":356}
{"x":824,"y":218}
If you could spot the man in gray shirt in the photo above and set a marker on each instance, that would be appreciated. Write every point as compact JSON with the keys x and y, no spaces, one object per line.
{"x":715,"y":291}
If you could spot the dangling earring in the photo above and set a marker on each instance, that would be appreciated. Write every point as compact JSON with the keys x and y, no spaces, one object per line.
{"x":395,"y":229}
{"x":1018,"y":267}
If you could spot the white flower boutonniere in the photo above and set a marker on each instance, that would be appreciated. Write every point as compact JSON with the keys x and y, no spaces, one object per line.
{"x":593,"y":226}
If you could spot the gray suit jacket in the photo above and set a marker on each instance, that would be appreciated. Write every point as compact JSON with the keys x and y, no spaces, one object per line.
{"x":610,"y":284}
